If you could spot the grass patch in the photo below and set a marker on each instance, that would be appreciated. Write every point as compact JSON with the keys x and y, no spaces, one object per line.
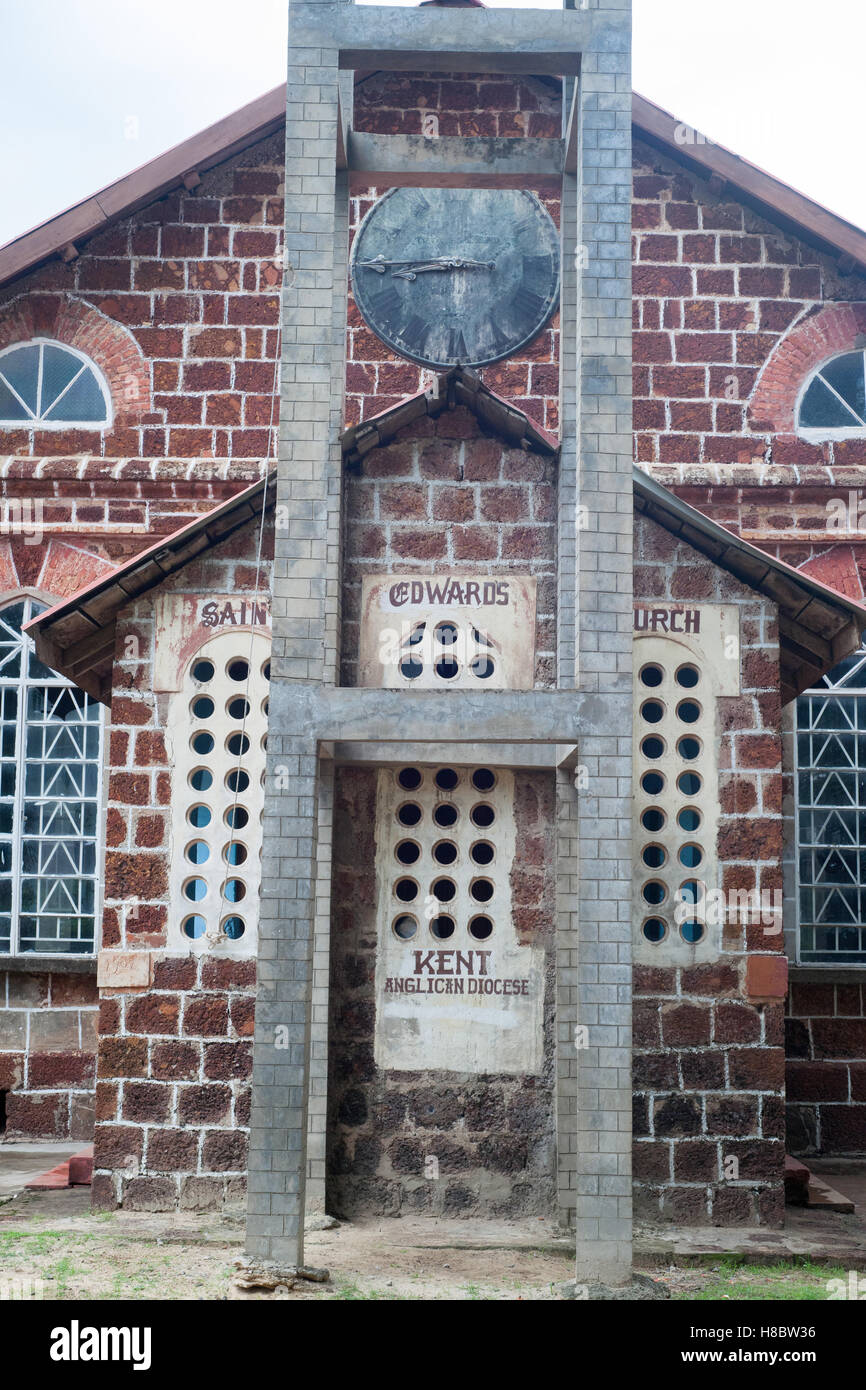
{"x":735,"y":1280}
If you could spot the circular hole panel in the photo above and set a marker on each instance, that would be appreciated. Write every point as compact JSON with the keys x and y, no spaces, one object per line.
{"x":409,"y":778}
{"x":404,"y":927}
{"x":689,"y":711}
{"x":654,"y":929}
{"x":445,"y":852}
{"x":688,"y":677}
{"x":690,"y":783}
{"x":654,"y":893}
{"x":652,"y":711}
{"x":446,"y":779}
{"x":689,"y":748}
{"x":653,"y":783}
{"x":652,"y":676}
{"x":444,"y":890}
{"x":653,"y":747}
{"x":407,"y":852}
{"x":653,"y":856}
{"x":442,"y":927}
{"x":480,"y":928}
{"x":692,"y":932}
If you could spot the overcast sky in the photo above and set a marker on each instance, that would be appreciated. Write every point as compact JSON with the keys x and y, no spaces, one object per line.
{"x":93,"y":88}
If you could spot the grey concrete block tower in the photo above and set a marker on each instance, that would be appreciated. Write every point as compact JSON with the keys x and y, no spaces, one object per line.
{"x":586,"y":721}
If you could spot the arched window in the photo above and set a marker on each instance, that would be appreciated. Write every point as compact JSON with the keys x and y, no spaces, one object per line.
{"x":833,"y":403}
{"x":831,"y":816}
{"x":50,"y":764}
{"x":48,"y":384}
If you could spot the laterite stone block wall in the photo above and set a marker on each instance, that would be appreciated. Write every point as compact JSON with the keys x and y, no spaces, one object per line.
{"x":717,"y":290}
{"x":709,"y":1049}
{"x":47,"y":1054}
{"x":443,"y":497}
{"x":175,"y":1059}
{"x":826,"y":1068}
{"x":467,"y":105}
{"x":492,"y":1136}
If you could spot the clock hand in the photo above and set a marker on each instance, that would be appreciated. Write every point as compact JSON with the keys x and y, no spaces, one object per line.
{"x":409,"y":269}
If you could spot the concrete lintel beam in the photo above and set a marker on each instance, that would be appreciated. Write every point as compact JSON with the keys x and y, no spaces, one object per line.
{"x":448,"y":40}
{"x":361,"y":715}
{"x":454,"y":161}
{"x":539,"y":757}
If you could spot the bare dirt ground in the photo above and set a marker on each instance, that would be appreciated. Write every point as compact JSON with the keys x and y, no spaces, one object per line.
{"x":54,"y":1238}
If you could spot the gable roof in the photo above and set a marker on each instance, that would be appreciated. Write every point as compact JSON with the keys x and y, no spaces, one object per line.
{"x":817,"y":625}
{"x":459,"y":386}
{"x":262,"y":117}
{"x":76,"y":635}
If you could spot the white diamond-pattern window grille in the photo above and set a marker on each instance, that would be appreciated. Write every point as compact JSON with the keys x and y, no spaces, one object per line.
{"x":831,"y":816}
{"x":50,"y":761}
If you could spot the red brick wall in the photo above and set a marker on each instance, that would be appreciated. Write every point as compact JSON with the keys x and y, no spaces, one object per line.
{"x":826,"y":1067}
{"x":709,"y":1058}
{"x":174,"y":1060}
{"x":444,"y":496}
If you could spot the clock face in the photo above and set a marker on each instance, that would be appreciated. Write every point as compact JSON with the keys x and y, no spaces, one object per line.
{"x":456,"y":276}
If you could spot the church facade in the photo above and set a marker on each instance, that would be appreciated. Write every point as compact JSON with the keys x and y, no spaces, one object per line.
{"x":409,"y":803}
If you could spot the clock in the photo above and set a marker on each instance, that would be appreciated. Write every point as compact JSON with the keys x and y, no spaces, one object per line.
{"x":456,"y":276}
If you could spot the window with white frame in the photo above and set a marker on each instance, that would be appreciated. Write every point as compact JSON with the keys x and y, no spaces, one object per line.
{"x":50,"y":780}
{"x":831,"y":816}
{"x":49,"y":384}
{"x":833,"y":403}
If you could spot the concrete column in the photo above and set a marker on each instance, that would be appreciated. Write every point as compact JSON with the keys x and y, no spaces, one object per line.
{"x":306,"y":587}
{"x":603,"y":1202}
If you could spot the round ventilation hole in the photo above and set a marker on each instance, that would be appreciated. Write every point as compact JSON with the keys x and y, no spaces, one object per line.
{"x":480,"y":928}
